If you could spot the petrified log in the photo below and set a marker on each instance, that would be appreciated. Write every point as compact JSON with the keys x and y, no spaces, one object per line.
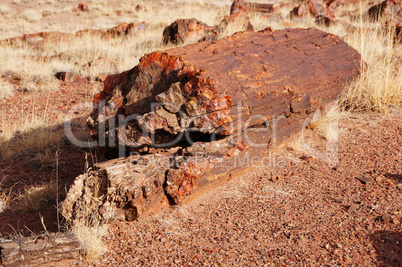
{"x":240,"y":6}
{"x":187,"y":30}
{"x":32,"y":251}
{"x":37,"y":39}
{"x":319,"y":9}
{"x":199,"y":114}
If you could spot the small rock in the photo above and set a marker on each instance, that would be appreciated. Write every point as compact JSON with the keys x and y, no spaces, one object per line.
{"x":339,"y":200}
{"x":387,"y":218}
{"x":353,"y":207}
{"x":364,"y":180}
{"x":138,"y":8}
{"x":63,"y":76}
{"x":81,"y":7}
{"x":379,"y":179}
{"x":101,"y":77}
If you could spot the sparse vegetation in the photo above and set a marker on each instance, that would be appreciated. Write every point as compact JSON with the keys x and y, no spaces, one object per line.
{"x":5,"y":196}
{"x":91,"y":236}
{"x":32,"y":134}
{"x":379,"y":87}
{"x":38,"y":198}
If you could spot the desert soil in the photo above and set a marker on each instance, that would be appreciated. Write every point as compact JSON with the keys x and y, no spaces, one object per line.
{"x":296,"y":210}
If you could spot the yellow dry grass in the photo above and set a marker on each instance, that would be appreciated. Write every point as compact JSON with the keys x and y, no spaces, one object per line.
{"x":91,"y":238}
{"x":5,"y":196}
{"x":37,"y":198}
{"x":379,"y":88}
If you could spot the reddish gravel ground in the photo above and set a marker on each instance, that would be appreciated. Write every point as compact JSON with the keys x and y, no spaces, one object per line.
{"x":297,"y":210}
{"x":300,"y":212}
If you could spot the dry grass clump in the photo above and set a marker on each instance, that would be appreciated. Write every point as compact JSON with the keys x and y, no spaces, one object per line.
{"x":40,"y":197}
{"x":379,"y":86}
{"x":4,"y":9}
{"x":91,"y":236}
{"x":6,"y":89}
{"x":5,"y":197}
{"x":31,"y":15}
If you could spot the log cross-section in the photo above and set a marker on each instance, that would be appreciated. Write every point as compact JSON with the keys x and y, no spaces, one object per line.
{"x":187,"y":113}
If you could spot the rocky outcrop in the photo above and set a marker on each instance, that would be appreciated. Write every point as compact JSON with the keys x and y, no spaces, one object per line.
{"x":193,"y":117}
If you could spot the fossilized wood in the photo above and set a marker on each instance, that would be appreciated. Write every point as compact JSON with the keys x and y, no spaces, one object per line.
{"x":38,"y":39}
{"x":34,"y":251}
{"x":235,"y":99}
{"x":187,"y":30}
{"x":243,"y":6}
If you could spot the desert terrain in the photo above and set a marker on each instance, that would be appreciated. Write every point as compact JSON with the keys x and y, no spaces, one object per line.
{"x":329,"y":194}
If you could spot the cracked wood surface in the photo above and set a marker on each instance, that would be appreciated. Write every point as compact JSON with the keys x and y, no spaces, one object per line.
{"x":235,"y":98}
{"x":37,"y":250}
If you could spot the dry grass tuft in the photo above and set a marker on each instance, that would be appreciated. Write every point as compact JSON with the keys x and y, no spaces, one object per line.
{"x":37,"y":198}
{"x":379,"y":87}
{"x":4,"y":9}
{"x":6,"y":90}
{"x":31,"y":15}
{"x":4,"y":197}
{"x":91,"y":236}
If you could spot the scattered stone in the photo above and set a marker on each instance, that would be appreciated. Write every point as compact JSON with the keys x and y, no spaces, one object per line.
{"x":37,"y":40}
{"x":81,"y":7}
{"x":323,"y":12}
{"x":353,"y":207}
{"x":387,"y":218}
{"x":64,"y":76}
{"x":339,"y":200}
{"x":315,"y":8}
{"x":125,"y":29}
{"x":379,"y":179}
{"x":307,"y":158}
{"x":364,"y":180}
{"x":189,"y":30}
{"x":138,"y":8}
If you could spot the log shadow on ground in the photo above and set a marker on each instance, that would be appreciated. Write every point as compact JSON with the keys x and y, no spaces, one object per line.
{"x":388,"y":246}
{"x":24,"y":172}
